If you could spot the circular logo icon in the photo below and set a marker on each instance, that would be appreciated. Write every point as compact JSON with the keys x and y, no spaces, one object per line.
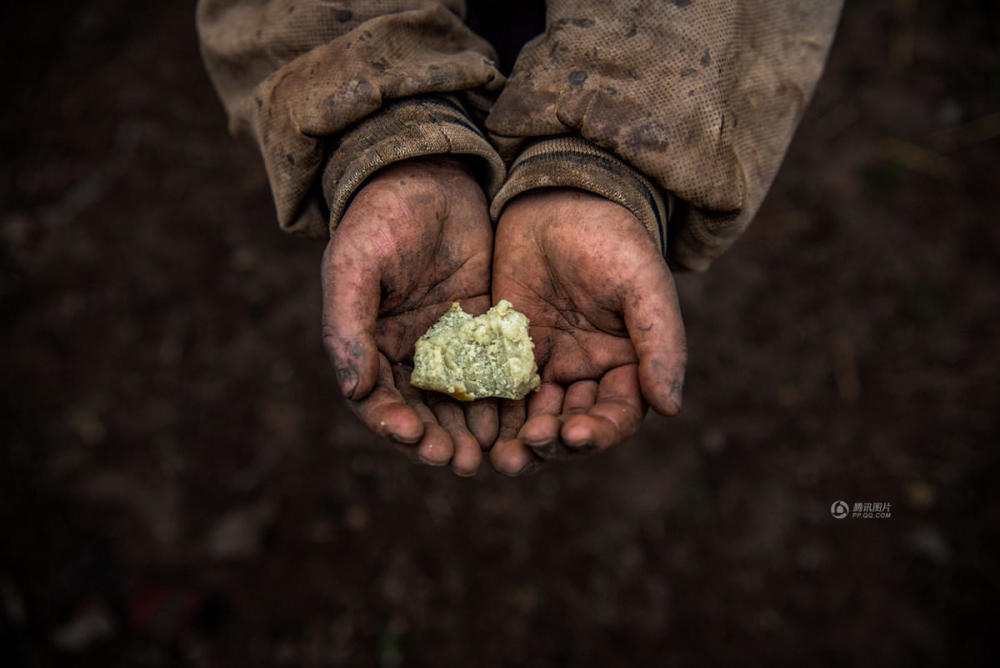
{"x":839,"y":510}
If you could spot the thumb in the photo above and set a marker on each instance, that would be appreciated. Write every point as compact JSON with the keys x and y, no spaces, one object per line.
{"x":351,"y":293}
{"x":653,"y":318}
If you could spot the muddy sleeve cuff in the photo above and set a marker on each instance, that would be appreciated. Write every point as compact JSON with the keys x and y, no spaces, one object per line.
{"x":700,"y":97}
{"x":405,"y":129}
{"x":331,"y":91}
{"x":572,"y":162}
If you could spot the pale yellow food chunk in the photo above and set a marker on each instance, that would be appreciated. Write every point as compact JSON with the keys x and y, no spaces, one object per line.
{"x":470,"y":358}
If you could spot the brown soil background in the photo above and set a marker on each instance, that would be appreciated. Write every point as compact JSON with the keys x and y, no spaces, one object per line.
{"x":181,"y":486}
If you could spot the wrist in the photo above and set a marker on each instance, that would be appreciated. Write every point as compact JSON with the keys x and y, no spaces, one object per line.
{"x":573,"y":164}
{"x":426,"y":136}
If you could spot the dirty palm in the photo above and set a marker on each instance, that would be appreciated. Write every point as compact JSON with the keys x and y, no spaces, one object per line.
{"x":630,"y":140}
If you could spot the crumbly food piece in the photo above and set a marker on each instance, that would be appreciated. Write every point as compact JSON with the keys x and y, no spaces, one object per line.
{"x":470,"y":358}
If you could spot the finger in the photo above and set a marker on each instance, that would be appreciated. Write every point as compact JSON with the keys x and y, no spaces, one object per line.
{"x":510,"y":456}
{"x":653,"y":318}
{"x":468,"y":454}
{"x":580,"y":397}
{"x":512,"y":414}
{"x":351,"y":290}
{"x":540,"y":435}
{"x":436,"y":448}
{"x":386,"y":412}
{"x":547,"y":400}
{"x":619,"y":400}
{"x":483,"y":421}
{"x":615,"y":415}
{"x":541,"y":430}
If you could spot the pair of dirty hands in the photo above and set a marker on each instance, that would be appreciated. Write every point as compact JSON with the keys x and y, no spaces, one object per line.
{"x":600,"y":299}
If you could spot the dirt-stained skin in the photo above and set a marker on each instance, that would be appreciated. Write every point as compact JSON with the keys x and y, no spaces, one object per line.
{"x":605,"y":320}
{"x":600,"y":298}
{"x":415,"y":238}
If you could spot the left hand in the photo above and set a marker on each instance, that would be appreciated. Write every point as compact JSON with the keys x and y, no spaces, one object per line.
{"x":605,"y":320}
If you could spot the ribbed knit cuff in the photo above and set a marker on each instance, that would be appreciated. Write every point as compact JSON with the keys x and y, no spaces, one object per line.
{"x":405,"y":129}
{"x":571,"y":162}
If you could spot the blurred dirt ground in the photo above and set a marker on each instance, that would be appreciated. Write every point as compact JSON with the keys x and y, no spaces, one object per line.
{"x":181,"y":486}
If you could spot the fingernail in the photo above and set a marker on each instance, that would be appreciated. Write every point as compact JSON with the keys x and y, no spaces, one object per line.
{"x":396,"y":439}
{"x":676,"y":395}
{"x":428,"y":462}
{"x":348,"y":380}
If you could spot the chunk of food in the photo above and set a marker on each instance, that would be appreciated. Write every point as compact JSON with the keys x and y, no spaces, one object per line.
{"x":470,"y":358}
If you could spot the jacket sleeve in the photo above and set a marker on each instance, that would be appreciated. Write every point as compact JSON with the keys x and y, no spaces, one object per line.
{"x":333,"y":91}
{"x":643,"y":102}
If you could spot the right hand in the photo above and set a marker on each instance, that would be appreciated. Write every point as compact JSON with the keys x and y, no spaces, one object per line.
{"x":416,"y":238}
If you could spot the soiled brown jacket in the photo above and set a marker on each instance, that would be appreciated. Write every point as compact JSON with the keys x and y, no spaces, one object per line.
{"x":680,"y":110}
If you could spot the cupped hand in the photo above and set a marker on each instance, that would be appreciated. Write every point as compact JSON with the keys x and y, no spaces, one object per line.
{"x":415,"y":238}
{"x":604,"y":318}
